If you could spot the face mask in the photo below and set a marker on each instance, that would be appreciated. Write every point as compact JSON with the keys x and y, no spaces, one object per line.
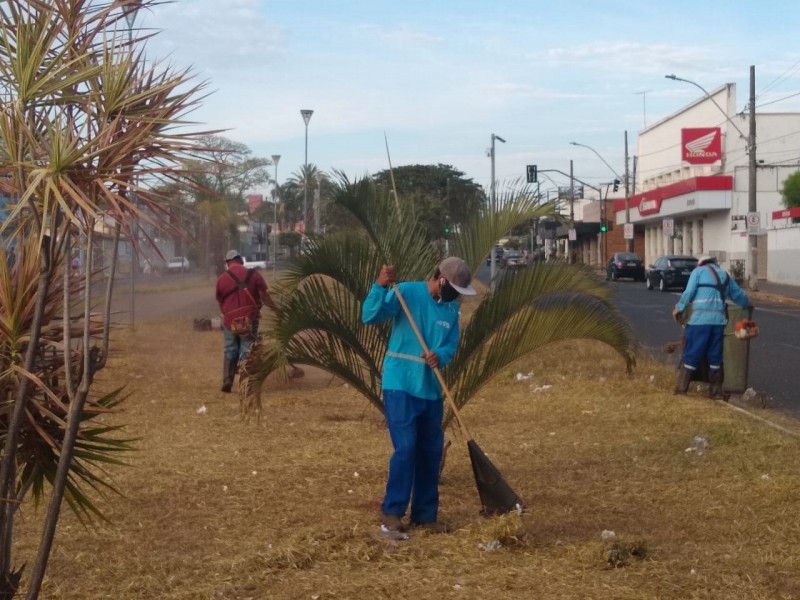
{"x":447,"y":293}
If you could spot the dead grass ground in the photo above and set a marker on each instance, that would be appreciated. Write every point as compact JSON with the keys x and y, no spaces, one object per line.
{"x":215,"y":508}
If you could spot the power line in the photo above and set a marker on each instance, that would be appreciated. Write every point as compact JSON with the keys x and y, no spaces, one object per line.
{"x":783,"y":76}
{"x":778,"y":100}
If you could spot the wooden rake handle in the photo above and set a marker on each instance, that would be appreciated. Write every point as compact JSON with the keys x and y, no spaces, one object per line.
{"x":437,"y":372}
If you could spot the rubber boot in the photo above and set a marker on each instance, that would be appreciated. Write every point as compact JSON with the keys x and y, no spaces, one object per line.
{"x":682,"y":382}
{"x":715,"y":379}
{"x":228,"y":373}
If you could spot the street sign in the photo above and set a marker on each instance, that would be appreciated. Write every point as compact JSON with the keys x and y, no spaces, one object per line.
{"x":573,"y":235}
{"x":628,"y":231}
{"x":753,"y":223}
{"x":531,"y":171}
{"x":668,"y":225}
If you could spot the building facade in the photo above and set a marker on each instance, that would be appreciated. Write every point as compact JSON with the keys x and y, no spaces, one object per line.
{"x":692,"y":184}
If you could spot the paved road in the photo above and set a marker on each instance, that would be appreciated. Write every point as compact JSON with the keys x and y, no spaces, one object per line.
{"x":773,"y":355}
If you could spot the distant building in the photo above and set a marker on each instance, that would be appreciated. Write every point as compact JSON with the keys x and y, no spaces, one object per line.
{"x":691,"y":194}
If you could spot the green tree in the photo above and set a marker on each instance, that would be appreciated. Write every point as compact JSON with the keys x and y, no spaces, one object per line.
{"x":319,"y":319}
{"x":293,"y":197}
{"x":438,"y":195}
{"x":219,"y":181}
{"x":85,"y":121}
{"x":791,"y":192}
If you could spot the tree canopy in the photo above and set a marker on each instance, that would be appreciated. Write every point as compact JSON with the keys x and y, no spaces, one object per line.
{"x":438,"y":195}
{"x":791,"y":190}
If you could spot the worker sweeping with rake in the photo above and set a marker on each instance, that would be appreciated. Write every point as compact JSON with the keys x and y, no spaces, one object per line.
{"x":424,"y":337}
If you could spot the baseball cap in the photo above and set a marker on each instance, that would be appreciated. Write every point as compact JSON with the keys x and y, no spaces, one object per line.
{"x":232,"y":254}
{"x":458,"y":274}
{"x":706,"y":258}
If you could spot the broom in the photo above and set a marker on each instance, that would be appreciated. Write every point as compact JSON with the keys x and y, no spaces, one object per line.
{"x":496,"y":495}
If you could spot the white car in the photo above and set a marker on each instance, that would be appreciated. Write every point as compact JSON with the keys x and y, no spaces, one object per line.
{"x":179,"y":264}
{"x":255,"y":264}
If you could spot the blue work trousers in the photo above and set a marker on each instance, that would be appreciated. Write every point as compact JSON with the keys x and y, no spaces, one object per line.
{"x":415,"y":426}
{"x":703,"y":341}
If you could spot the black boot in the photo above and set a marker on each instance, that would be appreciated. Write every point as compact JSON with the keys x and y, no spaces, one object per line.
{"x":228,"y":373}
{"x":715,"y":379}
{"x":682,"y":382}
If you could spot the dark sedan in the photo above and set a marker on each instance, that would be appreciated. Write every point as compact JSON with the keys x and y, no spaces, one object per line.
{"x":670,"y":272}
{"x":625,"y":264}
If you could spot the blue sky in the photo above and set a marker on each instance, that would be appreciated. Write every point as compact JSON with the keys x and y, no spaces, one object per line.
{"x":439,"y":77}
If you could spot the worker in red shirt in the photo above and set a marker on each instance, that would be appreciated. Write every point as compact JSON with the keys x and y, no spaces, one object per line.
{"x":240,"y":294}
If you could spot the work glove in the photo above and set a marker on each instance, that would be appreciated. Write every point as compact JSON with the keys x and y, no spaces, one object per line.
{"x":677,"y":315}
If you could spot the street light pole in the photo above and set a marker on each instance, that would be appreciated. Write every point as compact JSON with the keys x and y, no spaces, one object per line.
{"x":628,"y":241}
{"x":493,"y":269}
{"x":306,"y":114}
{"x":275,"y":159}
{"x":130,"y":18}
{"x":751,"y":261}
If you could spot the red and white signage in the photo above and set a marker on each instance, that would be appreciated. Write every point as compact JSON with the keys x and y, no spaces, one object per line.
{"x":701,"y":145}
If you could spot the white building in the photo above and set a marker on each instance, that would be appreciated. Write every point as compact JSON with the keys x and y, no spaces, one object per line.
{"x":692,"y":179}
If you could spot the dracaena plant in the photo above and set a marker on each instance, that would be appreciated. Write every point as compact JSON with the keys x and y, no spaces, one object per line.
{"x":88,"y":127}
{"x":319,"y":320}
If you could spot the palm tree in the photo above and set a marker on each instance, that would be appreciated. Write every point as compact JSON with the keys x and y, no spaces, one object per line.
{"x":293,"y":194}
{"x":319,"y":320}
{"x":87,"y":130}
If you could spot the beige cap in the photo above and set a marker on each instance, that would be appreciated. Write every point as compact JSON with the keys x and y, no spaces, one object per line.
{"x":705,"y":259}
{"x":232,"y":254}
{"x":458,"y":274}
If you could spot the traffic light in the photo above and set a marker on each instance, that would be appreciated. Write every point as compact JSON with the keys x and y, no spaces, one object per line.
{"x":616,"y":185}
{"x":447,"y":230}
{"x":603,"y":228}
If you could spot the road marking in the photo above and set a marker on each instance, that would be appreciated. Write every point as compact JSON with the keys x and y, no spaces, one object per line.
{"x":790,"y":346}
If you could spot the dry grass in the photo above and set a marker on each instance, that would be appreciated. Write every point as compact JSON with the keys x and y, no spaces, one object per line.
{"x":218,"y":508}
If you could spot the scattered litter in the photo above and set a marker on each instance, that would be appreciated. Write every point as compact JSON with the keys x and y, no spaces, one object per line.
{"x":607,"y":534}
{"x":541,"y":388}
{"x":587,"y":412}
{"x":692,"y":572}
{"x":552,"y":433}
{"x":349,"y":491}
{"x":765,"y":477}
{"x":628,"y":405}
{"x":224,"y":488}
{"x":202,"y":410}
{"x":457,"y":586}
{"x":652,"y":378}
{"x":491,"y":546}
{"x":255,"y":472}
{"x":355,"y":474}
{"x":521,"y":377}
{"x":699,"y":445}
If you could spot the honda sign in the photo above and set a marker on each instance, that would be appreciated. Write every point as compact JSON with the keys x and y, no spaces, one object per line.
{"x":701,"y":146}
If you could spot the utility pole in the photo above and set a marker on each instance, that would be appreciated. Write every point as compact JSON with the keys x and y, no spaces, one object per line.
{"x":628,"y":242}
{"x":572,"y":209}
{"x":493,"y":200}
{"x":752,"y":238}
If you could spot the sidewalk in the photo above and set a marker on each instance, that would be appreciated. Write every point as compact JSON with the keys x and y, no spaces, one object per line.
{"x":776,"y":292}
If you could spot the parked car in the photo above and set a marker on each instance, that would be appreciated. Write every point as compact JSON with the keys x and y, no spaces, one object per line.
{"x":513,"y":259}
{"x":670,"y":272}
{"x":179,"y":264}
{"x":625,"y":264}
{"x":499,"y":252}
{"x":255,"y":264}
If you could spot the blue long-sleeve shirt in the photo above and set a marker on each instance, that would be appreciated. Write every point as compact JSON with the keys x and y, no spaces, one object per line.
{"x":708,"y":305}
{"x":404,"y":368}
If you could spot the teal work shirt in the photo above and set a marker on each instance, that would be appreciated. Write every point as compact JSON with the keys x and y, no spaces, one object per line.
{"x":404,"y":369}
{"x":708,"y":305}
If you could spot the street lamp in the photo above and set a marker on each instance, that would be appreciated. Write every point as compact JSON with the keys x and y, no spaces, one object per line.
{"x":275,"y":159}
{"x":628,"y":241}
{"x":129,"y":11}
{"x":493,"y":200}
{"x":751,"y":262}
{"x":306,"y":114}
